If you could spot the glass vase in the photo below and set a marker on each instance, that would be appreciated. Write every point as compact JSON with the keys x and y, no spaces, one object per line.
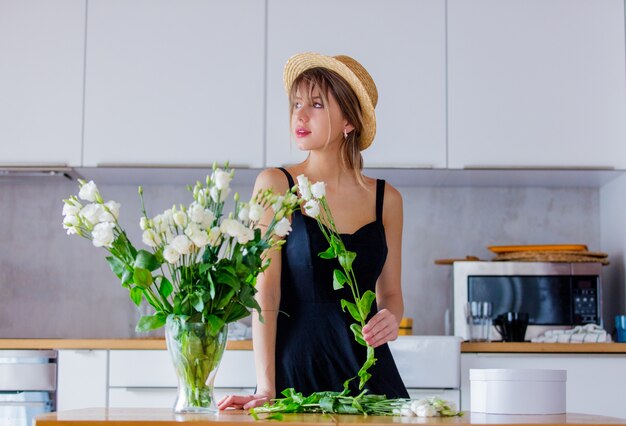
{"x":196,"y":353}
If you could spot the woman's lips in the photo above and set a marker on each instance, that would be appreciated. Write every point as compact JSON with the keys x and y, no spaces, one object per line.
{"x":300,"y":132}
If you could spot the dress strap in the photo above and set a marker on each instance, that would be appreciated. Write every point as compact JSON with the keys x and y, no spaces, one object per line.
{"x":380,"y":198}
{"x":289,"y":178}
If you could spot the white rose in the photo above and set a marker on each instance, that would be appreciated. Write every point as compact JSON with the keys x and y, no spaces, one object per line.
{"x":425,"y":411}
{"x":318,"y":189}
{"x":182,"y":244}
{"x":312,"y":208}
{"x":88,"y":192}
{"x":221,"y":178}
{"x":150,"y":238}
{"x":103,"y":234}
{"x":230,"y":227}
{"x":198,"y":236}
{"x":92,"y":213}
{"x":201,"y":216}
{"x":244,"y":214}
{"x":180,"y":218}
{"x":418,"y":403}
{"x":304,"y":186}
{"x":245,"y":235}
{"x":406,"y":411}
{"x":214,"y":236}
{"x":283,"y":227}
{"x":218,"y":195}
{"x":69,"y":224}
{"x":171,"y":254}
{"x":114,"y":208}
{"x":144,"y":223}
{"x":256,"y":212}
{"x":71,"y":209}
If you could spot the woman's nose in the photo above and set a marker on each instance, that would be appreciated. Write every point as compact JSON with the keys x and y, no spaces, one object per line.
{"x":301,"y":115}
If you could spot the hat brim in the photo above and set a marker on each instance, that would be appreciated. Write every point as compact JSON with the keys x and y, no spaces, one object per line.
{"x":301,"y":62}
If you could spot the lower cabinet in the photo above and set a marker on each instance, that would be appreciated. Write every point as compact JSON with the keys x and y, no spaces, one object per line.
{"x":595,"y":382}
{"x":146,"y":378}
{"x":82,"y":379}
{"x":139,"y":378}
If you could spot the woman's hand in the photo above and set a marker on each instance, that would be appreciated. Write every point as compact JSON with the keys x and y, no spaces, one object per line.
{"x":243,"y":402}
{"x":382,"y":328}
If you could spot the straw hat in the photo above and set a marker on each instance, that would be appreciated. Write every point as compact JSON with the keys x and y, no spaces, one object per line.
{"x":355,"y":75}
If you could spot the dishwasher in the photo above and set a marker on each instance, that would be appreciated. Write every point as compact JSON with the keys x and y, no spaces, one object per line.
{"x":429,"y":366}
{"x":27,"y":385}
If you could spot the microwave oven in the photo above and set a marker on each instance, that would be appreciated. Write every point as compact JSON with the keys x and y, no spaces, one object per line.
{"x":555,"y":295}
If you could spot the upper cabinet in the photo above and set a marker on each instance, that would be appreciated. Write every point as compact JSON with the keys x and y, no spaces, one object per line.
{"x":175,"y":82}
{"x":401,"y":44}
{"x":42,"y":46}
{"x":537,"y":83}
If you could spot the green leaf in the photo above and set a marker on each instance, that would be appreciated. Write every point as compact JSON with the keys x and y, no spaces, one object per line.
{"x":215,"y":323}
{"x":326,"y":404}
{"x":339,"y":279}
{"x":165,"y":286}
{"x":117,"y":266}
{"x":211,"y":286}
{"x":225,"y":299}
{"x":196,"y":301}
{"x":358,"y":333}
{"x":238,"y":312}
{"x":127,"y":277}
{"x":328,"y":254}
{"x":146,"y":260}
{"x":142,"y":277}
{"x":346,"y":258}
{"x":150,"y":322}
{"x":230,"y":280}
{"x":366,"y":302}
{"x":354,"y":311}
{"x":136,"y":294}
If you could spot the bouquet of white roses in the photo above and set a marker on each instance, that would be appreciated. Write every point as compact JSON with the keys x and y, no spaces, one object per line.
{"x":202,"y":265}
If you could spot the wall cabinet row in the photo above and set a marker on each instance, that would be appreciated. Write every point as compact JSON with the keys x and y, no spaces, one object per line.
{"x":480,"y":83}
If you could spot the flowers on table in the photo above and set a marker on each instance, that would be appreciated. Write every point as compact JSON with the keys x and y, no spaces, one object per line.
{"x":428,"y":407}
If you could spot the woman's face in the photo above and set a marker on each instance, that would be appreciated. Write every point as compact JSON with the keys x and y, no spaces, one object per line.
{"x":314,"y":124}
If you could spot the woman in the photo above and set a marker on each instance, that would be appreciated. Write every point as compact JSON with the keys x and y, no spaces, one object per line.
{"x":305,"y":341}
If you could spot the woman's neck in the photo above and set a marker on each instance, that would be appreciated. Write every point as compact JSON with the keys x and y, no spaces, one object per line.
{"x":327,"y":167}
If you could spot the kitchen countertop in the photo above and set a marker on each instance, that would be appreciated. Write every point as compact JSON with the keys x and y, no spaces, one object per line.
{"x":159,"y":343}
{"x":165,"y":417}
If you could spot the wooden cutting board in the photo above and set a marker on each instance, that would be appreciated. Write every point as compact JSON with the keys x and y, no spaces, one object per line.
{"x":540,"y":247}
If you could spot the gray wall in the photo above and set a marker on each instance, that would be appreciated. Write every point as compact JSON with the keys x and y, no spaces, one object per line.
{"x":55,"y":286}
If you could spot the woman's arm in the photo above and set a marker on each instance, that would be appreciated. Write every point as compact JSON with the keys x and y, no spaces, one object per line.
{"x":268,"y":297}
{"x":383,"y":327}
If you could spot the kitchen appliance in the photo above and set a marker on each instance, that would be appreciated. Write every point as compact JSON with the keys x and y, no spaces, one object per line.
{"x":429,"y":366}
{"x":27,"y":385}
{"x":555,"y":295}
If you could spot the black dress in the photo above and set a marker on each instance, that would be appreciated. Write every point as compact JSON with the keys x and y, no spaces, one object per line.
{"x":315,"y":349}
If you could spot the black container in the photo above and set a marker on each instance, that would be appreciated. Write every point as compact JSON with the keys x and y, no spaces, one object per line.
{"x":512,"y":326}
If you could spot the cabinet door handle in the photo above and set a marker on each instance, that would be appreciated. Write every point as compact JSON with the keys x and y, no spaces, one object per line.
{"x":166,"y":166}
{"x":546,"y":168}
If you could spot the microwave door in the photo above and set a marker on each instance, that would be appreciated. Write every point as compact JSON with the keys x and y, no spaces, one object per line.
{"x":547,"y":299}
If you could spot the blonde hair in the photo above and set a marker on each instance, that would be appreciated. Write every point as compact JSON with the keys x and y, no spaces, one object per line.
{"x":329,"y":81}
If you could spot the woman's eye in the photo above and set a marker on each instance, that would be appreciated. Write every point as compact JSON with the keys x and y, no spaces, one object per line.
{"x":317,"y":105}
{"x":297,"y":105}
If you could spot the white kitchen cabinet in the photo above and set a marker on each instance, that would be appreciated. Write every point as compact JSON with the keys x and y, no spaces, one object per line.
{"x":595,"y":382}
{"x":146,"y":378}
{"x":402,"y":45}
{"x":82,"y":379}
{"x":42,"y":46}
{"x":175,"y":82}
{"x":536,"y":83}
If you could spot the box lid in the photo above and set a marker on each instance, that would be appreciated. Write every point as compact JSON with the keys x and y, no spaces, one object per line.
{"x":518,"y":374}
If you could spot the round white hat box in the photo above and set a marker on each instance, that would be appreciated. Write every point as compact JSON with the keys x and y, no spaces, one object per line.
{"x":517,"y":391}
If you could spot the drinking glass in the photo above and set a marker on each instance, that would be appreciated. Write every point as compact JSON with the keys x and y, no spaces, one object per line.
{"x":479,"y":317}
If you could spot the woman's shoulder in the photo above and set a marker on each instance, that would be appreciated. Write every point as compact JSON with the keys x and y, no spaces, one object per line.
{"x":272,"y":178}
{"x":392,"y":195}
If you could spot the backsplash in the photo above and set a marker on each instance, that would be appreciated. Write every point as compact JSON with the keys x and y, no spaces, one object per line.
{"x":55,"y":286}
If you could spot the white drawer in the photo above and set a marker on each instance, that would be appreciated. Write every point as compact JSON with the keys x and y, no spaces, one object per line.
{"x":153,"y":368}
{"x":158,"y":397}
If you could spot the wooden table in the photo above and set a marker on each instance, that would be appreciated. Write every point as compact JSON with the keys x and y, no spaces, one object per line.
{"x":165,"y":417}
